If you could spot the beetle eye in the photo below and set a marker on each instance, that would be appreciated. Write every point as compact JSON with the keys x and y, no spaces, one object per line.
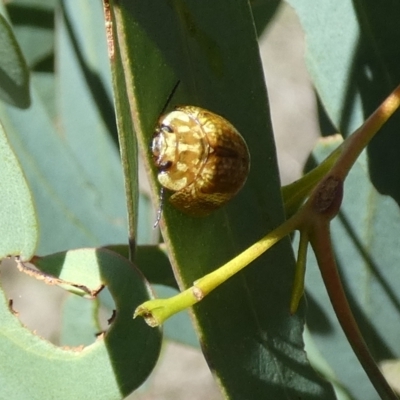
{"x":165,"y":166}
{"x":166,"y":128}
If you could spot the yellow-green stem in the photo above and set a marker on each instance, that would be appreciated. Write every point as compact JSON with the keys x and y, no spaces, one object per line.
{"x":157,"y":311}
{"x":295,"y":193}
{"x":356,"y":143}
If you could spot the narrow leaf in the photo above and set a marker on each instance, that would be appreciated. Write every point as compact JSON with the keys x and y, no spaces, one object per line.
{"x":250,"y":341}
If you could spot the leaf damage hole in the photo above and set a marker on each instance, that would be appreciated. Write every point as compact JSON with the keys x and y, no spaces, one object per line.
{"x":50,"y":312}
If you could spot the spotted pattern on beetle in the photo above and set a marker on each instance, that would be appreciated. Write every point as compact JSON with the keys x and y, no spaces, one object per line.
{"x":201,"y":157}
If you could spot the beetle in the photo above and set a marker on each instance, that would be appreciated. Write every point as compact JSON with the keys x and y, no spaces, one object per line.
{"x":201,"y":157}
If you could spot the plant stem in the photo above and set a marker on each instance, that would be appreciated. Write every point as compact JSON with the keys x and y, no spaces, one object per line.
{"x":321,"y":243}
{"x":155,"y":312}
{"x":295,"y":193}
{"x":356,"y":143}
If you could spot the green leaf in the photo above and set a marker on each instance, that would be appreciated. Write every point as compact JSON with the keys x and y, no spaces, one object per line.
{"x":263,"y":12}
{"x":125,"y":111}
{"x":86,"y":112}
{"x":18,"y":225}
{"x":146,"y":233}
{"x":71,"y":208}
{"x":155,"y":266}
{"x":353,"y":58}
{"x":84,"y":85}
{"x":77,"y":186}
{"x":33,"y":23}
{"x":252,"y":344}
{"x":45,"y":85}
{"x":14,"y":74}
{"x":365,"y":235}
{"x":111,"y":367}
{"x":152,"y":261}
{"x":78,"y":322}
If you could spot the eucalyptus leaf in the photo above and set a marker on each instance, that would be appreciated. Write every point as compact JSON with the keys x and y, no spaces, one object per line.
{"x":86,"y":114}
{"x":78,"y":322}
{"x":18,"y":225}
{"x":250,"y":341}
{"x":112,"y":367}
{"x":353,"y":57}
{"x":76,"y":180}
{"x":33,"y":25}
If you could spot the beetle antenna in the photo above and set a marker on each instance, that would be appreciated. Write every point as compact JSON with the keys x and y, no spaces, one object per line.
{"x":171,"y":95}
{"x":161,"y":196}
{"x":160,"y":208}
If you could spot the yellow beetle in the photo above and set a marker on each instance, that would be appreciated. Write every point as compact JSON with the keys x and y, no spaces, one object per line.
{"x":201,"y":157}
